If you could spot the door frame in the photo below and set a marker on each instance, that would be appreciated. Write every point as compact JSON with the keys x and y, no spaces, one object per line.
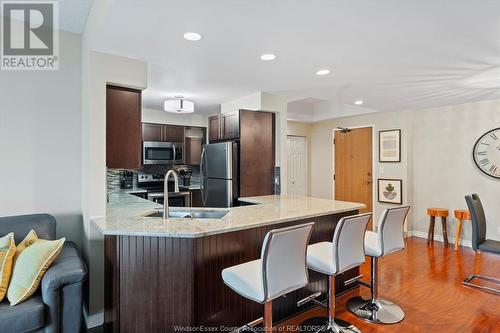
{"x":306,"y":160}
{"x":374,"y":146}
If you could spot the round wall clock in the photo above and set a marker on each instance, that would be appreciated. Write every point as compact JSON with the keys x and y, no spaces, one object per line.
{"x":486,"y":153}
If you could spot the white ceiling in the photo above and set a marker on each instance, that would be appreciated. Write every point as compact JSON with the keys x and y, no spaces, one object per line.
{"x":73,"y":15}
{"x":393,"y":54}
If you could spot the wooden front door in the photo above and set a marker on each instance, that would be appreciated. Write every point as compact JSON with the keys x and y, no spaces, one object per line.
{"x":353,"y":167}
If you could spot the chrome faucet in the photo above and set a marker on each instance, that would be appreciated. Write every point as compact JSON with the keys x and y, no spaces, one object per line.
{"x":165,"y":191}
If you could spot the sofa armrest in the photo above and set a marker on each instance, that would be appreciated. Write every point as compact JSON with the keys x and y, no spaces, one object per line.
{"x":66,"y":269}
{"x":61,"y":290}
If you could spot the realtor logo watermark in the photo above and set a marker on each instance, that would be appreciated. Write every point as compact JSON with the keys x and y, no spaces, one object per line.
{"x":29,"y":35}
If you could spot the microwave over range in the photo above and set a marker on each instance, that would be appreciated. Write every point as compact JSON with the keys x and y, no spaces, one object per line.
{"x":162,"y":152}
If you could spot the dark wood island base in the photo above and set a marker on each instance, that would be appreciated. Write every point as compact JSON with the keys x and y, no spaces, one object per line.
{"x":169,"y":284}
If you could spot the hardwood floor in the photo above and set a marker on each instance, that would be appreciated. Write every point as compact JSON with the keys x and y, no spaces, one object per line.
{"x":426,"y":282}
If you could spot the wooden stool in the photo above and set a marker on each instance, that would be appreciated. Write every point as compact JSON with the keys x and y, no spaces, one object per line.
{"x":443,"y":214}
{"x":460,"y":215}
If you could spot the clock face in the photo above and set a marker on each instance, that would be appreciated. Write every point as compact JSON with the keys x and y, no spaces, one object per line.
{"x":487,"y":153}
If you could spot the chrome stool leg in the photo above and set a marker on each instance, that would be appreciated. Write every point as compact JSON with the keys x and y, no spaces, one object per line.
{"x":468,"y":282}
{"x":375,"y":310}
{"x":329,"y":324}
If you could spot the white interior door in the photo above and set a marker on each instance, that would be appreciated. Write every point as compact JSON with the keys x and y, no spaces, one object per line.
{"x":296,"y":168}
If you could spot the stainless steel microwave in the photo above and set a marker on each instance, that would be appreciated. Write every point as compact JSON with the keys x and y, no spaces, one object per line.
{"x":162,"y":152}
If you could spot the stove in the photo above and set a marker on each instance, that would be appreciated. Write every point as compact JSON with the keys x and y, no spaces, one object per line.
{"x":154,"y":184}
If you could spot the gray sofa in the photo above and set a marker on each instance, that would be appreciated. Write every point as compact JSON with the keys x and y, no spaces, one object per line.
{"x":57,"y":305}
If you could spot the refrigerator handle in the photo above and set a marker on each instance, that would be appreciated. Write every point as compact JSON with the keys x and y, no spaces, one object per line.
{"x":201,"y":163}
{"x":203,"y":201}
{"x":203,"y":188}
{"x":173,"y":150}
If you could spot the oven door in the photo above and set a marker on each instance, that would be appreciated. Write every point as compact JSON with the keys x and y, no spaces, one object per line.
{"x":158,"y":152}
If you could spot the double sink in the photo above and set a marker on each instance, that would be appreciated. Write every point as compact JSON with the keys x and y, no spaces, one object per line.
{"x":191,"y":213}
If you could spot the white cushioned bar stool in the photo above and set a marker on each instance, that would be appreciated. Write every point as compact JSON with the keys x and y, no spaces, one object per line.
{"x":346,"y":251}
{"x":387,"y":240}
{"x":280,"y":270}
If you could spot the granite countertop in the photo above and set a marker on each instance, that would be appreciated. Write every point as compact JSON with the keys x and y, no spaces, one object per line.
{"x":125,"y":215}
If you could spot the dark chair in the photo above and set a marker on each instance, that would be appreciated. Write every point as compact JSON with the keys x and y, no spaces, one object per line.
{"x":479,"y":241}
{"x":57,"y":305}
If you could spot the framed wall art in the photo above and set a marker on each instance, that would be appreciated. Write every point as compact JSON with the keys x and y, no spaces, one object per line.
{"x":389,"y":146}
{"x":390,"y":191}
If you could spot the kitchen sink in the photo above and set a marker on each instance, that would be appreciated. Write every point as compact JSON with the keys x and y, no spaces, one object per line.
{"x":211,"y":214}
{"x":192,"y":214}
{"x":171,"y":215}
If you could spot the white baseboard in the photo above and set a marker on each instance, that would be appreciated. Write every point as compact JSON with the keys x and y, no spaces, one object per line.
{"x":439,"y":238}
{"x":93,"y":320}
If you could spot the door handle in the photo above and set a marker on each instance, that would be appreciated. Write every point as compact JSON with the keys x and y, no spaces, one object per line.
{"x":370,"y":180}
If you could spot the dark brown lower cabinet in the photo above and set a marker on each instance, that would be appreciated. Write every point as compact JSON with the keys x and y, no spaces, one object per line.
{"x":196,"y":200}
{"x":161,"y":284}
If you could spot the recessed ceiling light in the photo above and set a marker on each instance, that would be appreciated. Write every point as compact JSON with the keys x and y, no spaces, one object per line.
{"x":358,"y":102}
{"x":268,"y":56}
{"x":192,"y":36}
{"x":323,"y":72}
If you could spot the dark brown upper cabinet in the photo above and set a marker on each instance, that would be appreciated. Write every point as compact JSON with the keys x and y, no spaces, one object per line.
{"x":152,"y":132}
{"x":223,"y":127}
{"x":214,"y":128}
{"x":231,"y":126}
{"x":257,"y":153}
{"x":162,"y":133}
{"x":123,"y":127}
{"x":174,"y":133}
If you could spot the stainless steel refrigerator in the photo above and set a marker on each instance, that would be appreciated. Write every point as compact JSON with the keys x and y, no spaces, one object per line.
{"x":219,"y":172}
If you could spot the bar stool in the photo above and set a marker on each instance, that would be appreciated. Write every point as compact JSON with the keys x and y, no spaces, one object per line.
{"x":387,"y":240}
{"x":443,"y":214}
{"x":280,"y":270}
{"x":460,"y":215}
{"x":346,"y":251}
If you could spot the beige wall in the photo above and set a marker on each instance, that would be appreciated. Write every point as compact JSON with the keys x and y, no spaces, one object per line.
{"x":437,"y":167}
{"x":297,"y":128}
{"x":40,"y":141}
{"x":444,"y":171}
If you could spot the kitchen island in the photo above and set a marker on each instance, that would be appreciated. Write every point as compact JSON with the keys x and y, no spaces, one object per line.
{"x":165,"y":275}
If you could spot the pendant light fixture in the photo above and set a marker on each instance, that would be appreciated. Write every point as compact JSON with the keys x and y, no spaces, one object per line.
{"x":178,"y":105}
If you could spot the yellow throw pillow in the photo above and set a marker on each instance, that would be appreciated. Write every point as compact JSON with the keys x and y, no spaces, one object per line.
{"x":30,"y":266}
{"x":7,"y":252}
{"x":27,"y":241}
